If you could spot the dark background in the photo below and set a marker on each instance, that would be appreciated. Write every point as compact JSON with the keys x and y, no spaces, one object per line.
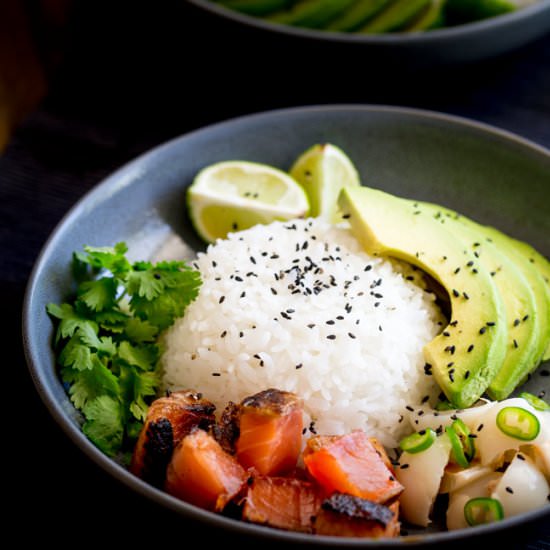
{"x":131,"y":77}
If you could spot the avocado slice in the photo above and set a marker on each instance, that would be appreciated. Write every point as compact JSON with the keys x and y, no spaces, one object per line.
{"x":432,"y":17}
{"x":395,"y":16}
{"x":310,"y":13}
{"x":255,"y":7}
{"x":542,"y":265}
{"x":477,"y":332}
{"x":525,"y":326}
{"x":471,"y":10}
{"x":357,"y":14}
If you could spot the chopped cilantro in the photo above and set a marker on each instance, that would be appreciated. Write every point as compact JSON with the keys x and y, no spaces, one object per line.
{"x":106,"y":338}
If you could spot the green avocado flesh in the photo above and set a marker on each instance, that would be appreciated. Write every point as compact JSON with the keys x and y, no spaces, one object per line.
{"x":498,"y":327}
{"x":396,"y":16}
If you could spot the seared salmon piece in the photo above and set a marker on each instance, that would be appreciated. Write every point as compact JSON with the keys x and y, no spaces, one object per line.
{"x":270,"y":432}
{"x":343,"y":515}
{"x":351,"y":464}
{"x":203,"y":474}
{"x":168,"y":420}
{"x":226,"y":430}
{"x":282,"y":502}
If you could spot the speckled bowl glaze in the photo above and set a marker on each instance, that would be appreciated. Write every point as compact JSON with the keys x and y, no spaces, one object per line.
{"x":488,"y":174}
{"x":459,"y":44}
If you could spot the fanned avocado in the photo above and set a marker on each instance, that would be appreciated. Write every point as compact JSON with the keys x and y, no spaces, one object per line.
{"x":397,"y":15}
{"x":431,"y":17}
{"x":514,"y":281}
{"x":477,"y":331}
{"x":310,"y":13}
{"x":536,"y":270}
{"x":255,"y":7}
{"x":357,"y":14}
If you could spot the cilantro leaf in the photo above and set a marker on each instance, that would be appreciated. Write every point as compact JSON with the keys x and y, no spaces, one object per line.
{"x":104,"y":345}
{"x":136,"y":387}
{"x":146,"y":284}
{"x":104,"y":423}
{"x":143,"y":356}
{"x":88,"y":384}
{"x":139,"y":331}
{"x":71,"y":320}
{"x":99,"y":295}
{"x":77,"y":355}
{"x":109,"y":258}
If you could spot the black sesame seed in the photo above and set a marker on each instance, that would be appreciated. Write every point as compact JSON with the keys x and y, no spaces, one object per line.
{"x":520,"y":456}
{"x":525,"y":318}
{"x":311,"y":325}
{"x":466,"y":297}
{"x":243,"y":294}
{"x":330,"y":322}
{"x":479,"y":428}
{"x":234,"y":226}
{"x":404,"y":466}
{"x":457,"y":270}
{"x":299,"y":366}
{"x":223,"y":334}
{"x":331,"y":337}
{"x":351,"y":335}
{"x":456,"y":294}
{"x":509,"y":490}
{"x":516,"y":322}
{"x":273,"y":291}
{"x":220,"y":301}
{"x":346,"y":216}
{"x":216,"y":374}
{"x":241,"y":334}
{"x":446,"y":333}
{"x":470,"y":348}
{"x":482,"y":330}
{"x":467,"y":375}
{"x":409,"y":408}
{"x":368,"y":268}
{"x":516,"y":345}
{"x":490,"y":323}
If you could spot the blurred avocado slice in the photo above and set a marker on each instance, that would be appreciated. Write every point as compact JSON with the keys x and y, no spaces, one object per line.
{"x":356,"y":15}
{"x":433,"y":17}
{"x":310,"y":13}
{"x":470,"y":10}
{"x":396,"y":16}
{"x":255,"y":7}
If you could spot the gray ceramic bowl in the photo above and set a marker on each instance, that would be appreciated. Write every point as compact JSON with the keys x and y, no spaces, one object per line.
{"x":489,"y":174}
{"x":463,"y":43}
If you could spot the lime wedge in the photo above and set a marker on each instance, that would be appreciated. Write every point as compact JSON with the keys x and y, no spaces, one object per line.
{"x":323,"y":170}
{"x":233,"y":195}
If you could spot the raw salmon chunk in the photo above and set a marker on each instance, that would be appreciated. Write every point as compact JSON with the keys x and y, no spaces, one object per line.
{"x":351,"y":464}
{"x":281,"y":502}
{"x":270,"y":432}
{"x":202,"y":473}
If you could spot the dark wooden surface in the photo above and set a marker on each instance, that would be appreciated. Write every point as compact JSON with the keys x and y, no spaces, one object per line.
{"x":132,"y":78}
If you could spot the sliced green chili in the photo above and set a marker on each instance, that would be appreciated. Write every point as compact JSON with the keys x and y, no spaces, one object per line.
{"x":483,"y":510}
{"x":535,"y":402}
{"x":518,"y":423}
{"x":462,"y":444}
{"x":418,"y":442}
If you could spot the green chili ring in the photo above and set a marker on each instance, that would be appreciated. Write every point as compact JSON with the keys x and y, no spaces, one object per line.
{"x":518,"y":423}
{"x":462,"y":445}
{"x":535,"y":402}
{"x":483,"y":510}
{"x":418,"y":442}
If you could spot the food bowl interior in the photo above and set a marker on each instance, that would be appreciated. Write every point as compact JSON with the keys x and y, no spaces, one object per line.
{"x":489,"y":175}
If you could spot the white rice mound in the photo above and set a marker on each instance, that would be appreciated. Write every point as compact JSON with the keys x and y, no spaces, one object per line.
{"x":300,"y":307}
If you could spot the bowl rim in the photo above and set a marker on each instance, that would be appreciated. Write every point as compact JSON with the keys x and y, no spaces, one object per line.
{"x":122,"y":177}
{"x":469,"y":30}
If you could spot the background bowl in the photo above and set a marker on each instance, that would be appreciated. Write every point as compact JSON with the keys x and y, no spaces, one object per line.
{"x":491,"y":175}
{"x":463,"y":43}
